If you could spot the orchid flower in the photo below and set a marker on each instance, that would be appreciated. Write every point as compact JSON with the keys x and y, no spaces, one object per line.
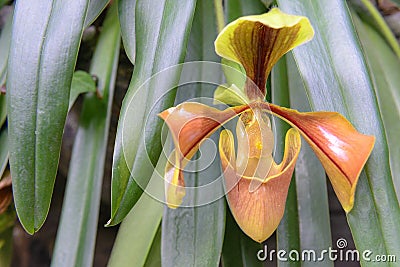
{"x":256,"y":185}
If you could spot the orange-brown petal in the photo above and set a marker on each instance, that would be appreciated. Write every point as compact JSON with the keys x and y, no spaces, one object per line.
{"x":190,"y":123}
{"x":258,"y":212}
{"x":342,"y":150}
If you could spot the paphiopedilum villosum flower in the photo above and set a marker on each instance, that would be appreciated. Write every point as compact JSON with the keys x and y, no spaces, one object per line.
{"x":257,"y":186}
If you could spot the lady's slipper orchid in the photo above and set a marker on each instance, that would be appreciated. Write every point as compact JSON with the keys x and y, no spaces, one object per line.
{"x":257,"y":186}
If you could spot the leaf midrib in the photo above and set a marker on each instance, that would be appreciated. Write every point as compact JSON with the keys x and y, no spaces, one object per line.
{"x":37,"y":90}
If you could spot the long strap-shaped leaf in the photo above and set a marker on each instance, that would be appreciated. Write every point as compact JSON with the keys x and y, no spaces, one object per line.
{"x":44,"y":46}
{"x":94,"y":10}
{"x":237,"y":8}
{"x":161,"y":43}
{"x":5,"y":40}
{"x":126,"y":13}
{"x":139,"y":228}
{"x":78,"y":226}
{"x":303,"y":215}
{"x":310,"y":182}
{"x":384,"y":67}
{"x":336,"y":78}
{"x":193,"y":236}
{"x":288,"y":235}
{"x":241,"y":250}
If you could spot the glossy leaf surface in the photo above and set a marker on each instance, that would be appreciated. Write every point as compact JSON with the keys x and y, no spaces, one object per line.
{"x":75,"y":242}
{"x":338,"y":80}
{"x":237,"y":8}
{"x":126,"y":13}
{"x":154,"y":256}
{"x":310,"y":179}
{"x":94,"y":10}
{"x":238,"y":248}
{"x":383,"y":65}
{"x":136,"y":233}
{"x":142,"y":223}
{"x":5,"y":40}
{"x":193,"y":236}
{"x":38,"y":103}
{"x":288,"y":236}
{"x":164,"y":45}
{"x":82,"y":82}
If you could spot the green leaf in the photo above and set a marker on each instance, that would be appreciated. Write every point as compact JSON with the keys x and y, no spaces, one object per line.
{"x":94,"y":10}
{"x":82,"y":82}
{"x":230,"y":95}
{"x":193,"y":235}
{"x":138,"y":145}
{"x":238,"y":248}
{"x":77,"y":230}
{"x":3,"y":2}
{"x":384,"y":66}
{"x":383,"y":28}
{"x":304,"y":217}
{"x":138,"y":231}
{"x":7,"y":221}
{"x":234,"y":73}
{"x":44,"y":47}
{"x":6,"y":247}
{"x":336,"y":78}
{"x":5,"y":40}
{"x":232,"y":92}
{"x":3,"y":150}
{"x":288,"y":235}
{"x":154,"y":256}
{"x":126,"y":12}
{"x":310,"y":182}
{"x":237,"y":8}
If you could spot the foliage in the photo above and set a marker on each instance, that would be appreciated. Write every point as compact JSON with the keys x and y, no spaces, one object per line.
{"x":351,"y":66}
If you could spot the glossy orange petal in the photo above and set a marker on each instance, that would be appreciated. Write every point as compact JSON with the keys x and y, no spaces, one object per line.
{"x":190,"y":123}
{"x":342,"y":150}
{"x":258,"y":212}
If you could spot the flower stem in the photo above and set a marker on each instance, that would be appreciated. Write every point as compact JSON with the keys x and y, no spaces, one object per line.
{"x":219,"y":12}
